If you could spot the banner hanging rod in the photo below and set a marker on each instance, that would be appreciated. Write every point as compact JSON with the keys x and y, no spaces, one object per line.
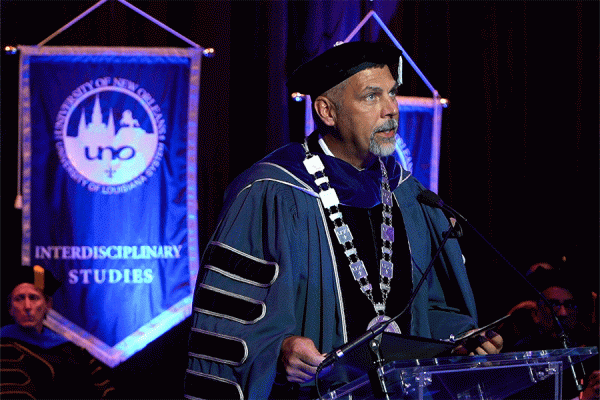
{"x":125,"y":3}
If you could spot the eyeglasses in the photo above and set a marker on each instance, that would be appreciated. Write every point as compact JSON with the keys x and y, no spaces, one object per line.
{"x":568,"y":304}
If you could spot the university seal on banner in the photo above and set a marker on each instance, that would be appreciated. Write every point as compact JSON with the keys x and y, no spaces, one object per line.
{"x":110,"y":135}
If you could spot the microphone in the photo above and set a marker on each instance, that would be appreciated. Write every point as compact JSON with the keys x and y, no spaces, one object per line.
{"x":432,"y":199}
{"x":429,"y":198}
{"x":362,"y":339}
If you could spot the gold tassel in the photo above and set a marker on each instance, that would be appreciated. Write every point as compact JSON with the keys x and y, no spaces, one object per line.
{"x":38,"y":277}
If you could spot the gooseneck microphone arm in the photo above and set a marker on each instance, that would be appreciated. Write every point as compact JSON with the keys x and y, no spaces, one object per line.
{"x":430,"y":198}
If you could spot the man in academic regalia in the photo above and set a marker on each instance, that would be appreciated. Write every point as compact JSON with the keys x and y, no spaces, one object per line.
{"x":322,"y":240}
{"x":36,"y":362}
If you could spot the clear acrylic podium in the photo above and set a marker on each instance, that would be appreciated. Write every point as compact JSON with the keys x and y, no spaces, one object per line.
{"x":495,"y":376}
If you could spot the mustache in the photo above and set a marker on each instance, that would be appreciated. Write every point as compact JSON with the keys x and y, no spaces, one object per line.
{"x":387,"y":126}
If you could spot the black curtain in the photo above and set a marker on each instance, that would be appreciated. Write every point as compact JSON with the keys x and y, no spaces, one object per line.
{"x":519,"y":138}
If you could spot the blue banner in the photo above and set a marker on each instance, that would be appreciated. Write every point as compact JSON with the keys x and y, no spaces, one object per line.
{"x":109,"y":189}
{"x":419,"y":134}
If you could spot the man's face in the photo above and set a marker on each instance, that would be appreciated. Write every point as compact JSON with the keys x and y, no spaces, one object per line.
{"x":28,"y":306}
{"x":368,"y":117}
{"x":564,"y":306}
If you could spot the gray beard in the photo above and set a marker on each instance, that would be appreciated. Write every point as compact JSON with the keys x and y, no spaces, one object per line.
{"x":382,"y":147}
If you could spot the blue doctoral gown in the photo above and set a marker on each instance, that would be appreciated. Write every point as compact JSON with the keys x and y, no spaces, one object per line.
{"x":270,"y":272}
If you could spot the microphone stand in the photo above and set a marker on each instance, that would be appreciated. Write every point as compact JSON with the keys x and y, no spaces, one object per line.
{"x":376,"y":330}
{"x":376,"y":375}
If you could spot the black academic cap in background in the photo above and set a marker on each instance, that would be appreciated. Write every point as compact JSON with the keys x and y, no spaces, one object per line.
{"x":38,"y":276}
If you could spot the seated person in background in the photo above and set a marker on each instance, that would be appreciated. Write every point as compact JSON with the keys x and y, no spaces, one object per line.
{"x":36,"y":362}
{"x":534,"y":327}
{"x":570,"y":304}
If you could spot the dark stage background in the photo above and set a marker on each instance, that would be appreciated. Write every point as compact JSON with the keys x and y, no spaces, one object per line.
{"x":519,"y":154}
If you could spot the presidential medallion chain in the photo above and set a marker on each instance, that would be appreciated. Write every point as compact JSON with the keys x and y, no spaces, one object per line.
{"x":331,"y":203}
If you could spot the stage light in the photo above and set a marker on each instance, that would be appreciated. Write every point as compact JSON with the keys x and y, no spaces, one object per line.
{"x":209,"y":53}
{"x":297,"y":96}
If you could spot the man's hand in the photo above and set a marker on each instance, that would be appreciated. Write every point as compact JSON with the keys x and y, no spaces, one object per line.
{"x":300,"y":358}
{"x":592,"y":387}
{"x":488,"y":342}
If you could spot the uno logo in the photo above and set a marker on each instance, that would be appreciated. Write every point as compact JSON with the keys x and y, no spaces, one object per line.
{"x":110,"y":134}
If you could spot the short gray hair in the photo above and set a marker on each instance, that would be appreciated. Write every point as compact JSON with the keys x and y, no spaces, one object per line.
{"x":335,"y":96}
